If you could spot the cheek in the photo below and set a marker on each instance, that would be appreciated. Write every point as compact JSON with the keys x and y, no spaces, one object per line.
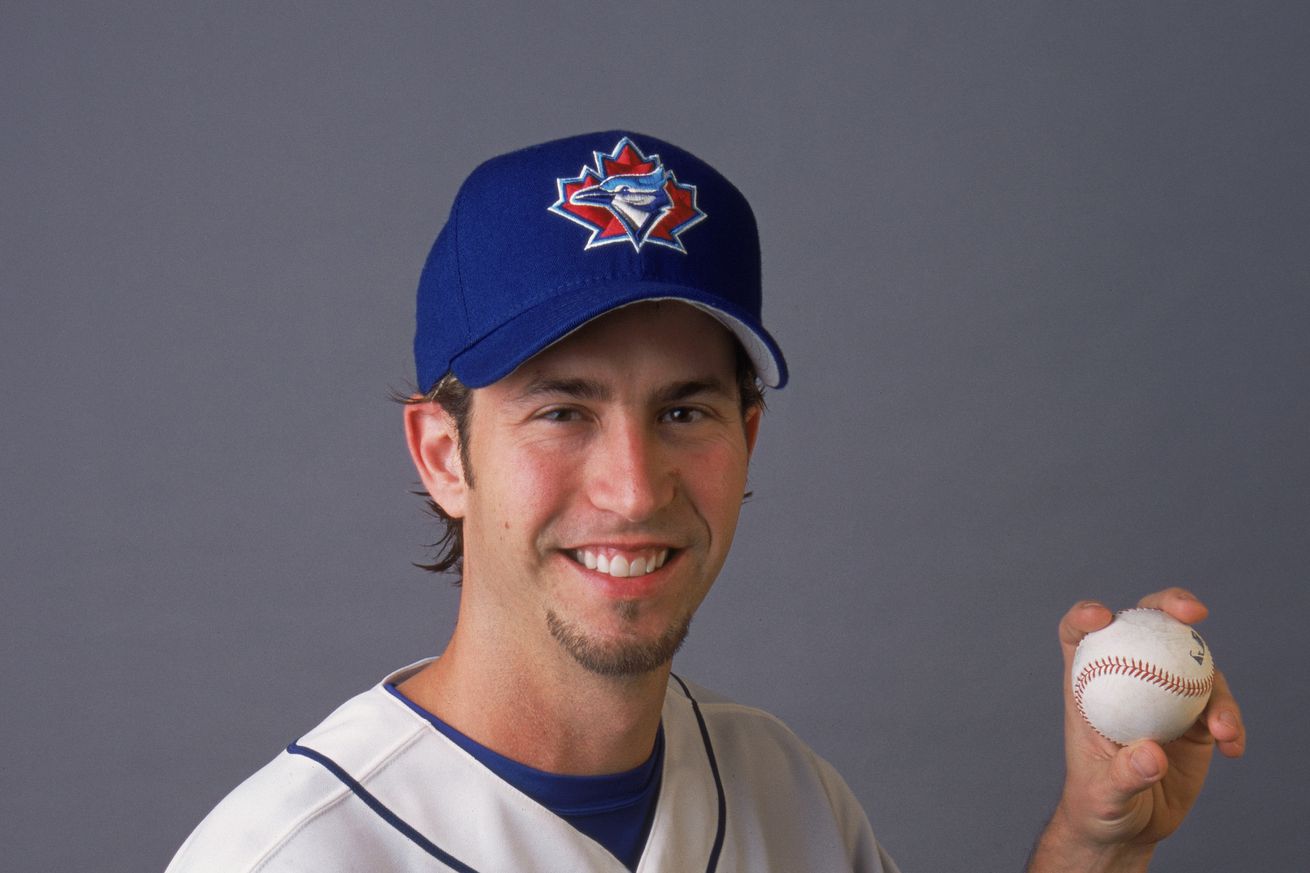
{"x":717,"y":486}
{"x":528,"y":490}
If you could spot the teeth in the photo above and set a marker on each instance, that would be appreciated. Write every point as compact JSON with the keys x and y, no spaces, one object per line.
{"x":619,"y":566}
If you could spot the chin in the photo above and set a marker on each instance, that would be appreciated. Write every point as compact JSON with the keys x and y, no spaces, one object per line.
{"x":622,"y":657}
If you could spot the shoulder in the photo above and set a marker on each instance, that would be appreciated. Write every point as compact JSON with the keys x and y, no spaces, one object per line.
{"x":756,"y":738}
{"x":290,"y":803}
{"x":736,"y":721}
{"x":769,"y":774}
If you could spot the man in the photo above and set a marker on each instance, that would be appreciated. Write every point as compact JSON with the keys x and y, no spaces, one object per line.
{"x":589,"y":348}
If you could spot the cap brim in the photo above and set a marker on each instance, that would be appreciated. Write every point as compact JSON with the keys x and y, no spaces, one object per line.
{"x":500,"y":352}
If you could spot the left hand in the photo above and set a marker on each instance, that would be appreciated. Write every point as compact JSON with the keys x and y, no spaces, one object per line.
{"x":1123,"y":800}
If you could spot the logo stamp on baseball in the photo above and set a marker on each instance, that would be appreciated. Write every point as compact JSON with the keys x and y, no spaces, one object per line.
{"x":1146,"y":675}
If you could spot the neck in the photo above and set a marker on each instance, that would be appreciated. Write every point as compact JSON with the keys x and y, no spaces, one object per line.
{"x":549,"y":713}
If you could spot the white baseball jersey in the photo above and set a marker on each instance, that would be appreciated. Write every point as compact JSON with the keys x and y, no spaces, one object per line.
{"x":376,"y":788}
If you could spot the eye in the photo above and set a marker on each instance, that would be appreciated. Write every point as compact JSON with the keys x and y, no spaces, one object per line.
{"x":561,"y":414}
{"x":683,"y":415}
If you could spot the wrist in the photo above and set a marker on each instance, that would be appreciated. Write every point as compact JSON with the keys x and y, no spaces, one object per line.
{"x":1063,"y":848}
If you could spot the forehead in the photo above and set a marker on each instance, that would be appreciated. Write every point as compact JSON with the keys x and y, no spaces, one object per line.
{"x":651,"y":340}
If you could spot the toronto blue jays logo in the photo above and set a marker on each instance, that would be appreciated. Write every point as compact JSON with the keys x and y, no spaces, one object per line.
{"x":628,"y":196}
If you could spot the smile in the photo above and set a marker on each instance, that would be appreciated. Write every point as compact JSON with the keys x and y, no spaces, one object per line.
{"x":619,"y":564}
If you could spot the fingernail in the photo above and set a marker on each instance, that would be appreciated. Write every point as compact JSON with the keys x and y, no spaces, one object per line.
{"x":1228,"y":718}
{"x":1088,"y":604}
{"x":1144,"y":763}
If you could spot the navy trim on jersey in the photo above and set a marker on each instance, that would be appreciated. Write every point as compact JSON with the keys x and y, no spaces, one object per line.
{"x":410,"y":832}
{"x":381,"y":809}
{"x":714,"y":768}
{"x":616,"y":810}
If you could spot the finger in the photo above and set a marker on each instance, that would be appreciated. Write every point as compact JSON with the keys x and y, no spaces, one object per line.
{"x":1134,"y":769}
{"x":1178,"y":602}
{"x":1223,"y":718}
{"x":1083,"y":618}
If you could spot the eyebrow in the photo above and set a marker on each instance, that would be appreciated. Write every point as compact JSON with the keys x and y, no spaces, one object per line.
{"x":589,"y":389}
{"x":691,"y":388}
{"x":578,"y":389}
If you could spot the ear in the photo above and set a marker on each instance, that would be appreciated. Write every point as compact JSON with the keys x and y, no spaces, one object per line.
{"x":751,"y":422}
{"x":434,"y":446}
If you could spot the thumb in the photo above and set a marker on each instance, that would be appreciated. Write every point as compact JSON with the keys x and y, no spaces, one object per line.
{"x":1134,"y":769}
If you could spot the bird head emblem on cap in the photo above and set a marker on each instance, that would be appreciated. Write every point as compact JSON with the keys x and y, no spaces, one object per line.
{"x":628,"y":196}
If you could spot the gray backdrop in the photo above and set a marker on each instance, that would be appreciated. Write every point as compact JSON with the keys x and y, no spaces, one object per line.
{"x":1040,"y":270}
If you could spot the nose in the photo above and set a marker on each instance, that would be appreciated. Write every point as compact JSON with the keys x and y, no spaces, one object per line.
{"x":629,"y":473}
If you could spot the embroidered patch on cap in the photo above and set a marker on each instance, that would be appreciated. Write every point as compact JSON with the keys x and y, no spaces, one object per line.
{"x":628,"y":196}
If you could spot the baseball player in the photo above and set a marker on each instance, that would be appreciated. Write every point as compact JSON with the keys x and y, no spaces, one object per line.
{"x":589,"y":351}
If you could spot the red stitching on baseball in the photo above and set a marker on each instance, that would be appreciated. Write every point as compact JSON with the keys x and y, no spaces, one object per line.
{"x":1139,"y":670}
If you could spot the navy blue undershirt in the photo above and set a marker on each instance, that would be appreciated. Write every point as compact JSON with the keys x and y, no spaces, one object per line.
{"x":615,"y":810}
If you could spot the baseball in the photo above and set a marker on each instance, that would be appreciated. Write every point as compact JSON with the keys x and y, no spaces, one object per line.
{"x":1146,"y":675}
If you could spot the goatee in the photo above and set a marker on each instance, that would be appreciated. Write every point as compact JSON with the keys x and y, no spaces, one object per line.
{"x":619,"y":659}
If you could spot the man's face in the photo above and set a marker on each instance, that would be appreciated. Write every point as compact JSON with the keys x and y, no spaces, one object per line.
{"x":610,"y":473}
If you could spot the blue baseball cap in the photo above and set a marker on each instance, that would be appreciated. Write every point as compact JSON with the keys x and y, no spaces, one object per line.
{"x":543,"y":240}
